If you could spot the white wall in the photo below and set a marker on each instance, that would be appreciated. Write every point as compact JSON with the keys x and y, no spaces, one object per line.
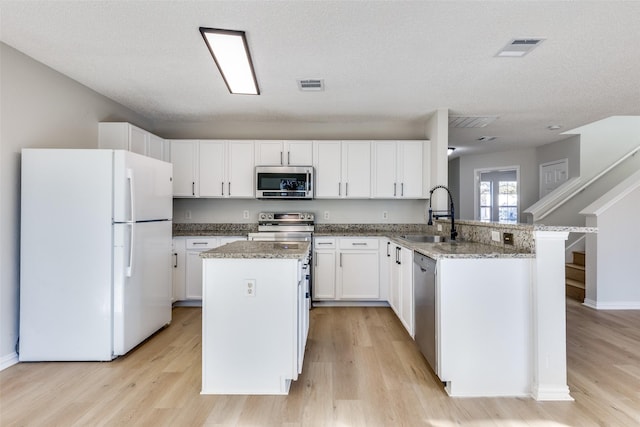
{"x":525,"y":159}
{"x":38,"y":108}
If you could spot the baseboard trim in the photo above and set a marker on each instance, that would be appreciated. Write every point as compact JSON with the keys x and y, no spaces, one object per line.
{"x":350,"y":304}
{"x":560,"y":393}
{"x":615,"y":305}
{"x":8,"y":360}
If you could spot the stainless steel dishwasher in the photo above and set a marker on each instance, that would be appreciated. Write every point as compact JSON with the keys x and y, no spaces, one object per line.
{"x":424,"y":288}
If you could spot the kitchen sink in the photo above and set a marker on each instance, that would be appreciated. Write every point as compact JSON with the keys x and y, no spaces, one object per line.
{"x":425,"y":238}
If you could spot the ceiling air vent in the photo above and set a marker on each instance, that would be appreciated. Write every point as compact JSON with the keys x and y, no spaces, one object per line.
{"x":519,"y":47}
{"x":470,"y":121}
{"x":487,"y":138}
{"x":313,"y":85}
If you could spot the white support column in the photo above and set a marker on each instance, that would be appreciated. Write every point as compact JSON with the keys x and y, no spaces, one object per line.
{"x":549,"y":318}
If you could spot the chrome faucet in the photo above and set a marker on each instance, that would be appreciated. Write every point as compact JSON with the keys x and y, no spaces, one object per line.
{"x":448,"y":214}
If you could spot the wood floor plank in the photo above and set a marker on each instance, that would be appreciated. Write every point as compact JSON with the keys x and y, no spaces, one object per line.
{"x":361,"y":368}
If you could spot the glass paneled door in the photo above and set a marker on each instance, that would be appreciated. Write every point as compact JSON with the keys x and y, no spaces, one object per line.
{"x":497,"y":195}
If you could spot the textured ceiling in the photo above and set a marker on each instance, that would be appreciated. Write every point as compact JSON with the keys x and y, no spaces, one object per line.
{"x":394,"y":61}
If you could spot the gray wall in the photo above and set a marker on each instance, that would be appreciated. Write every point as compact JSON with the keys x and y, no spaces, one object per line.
{"x":39,"y":107}
{"x":525,"y":159}
{"x":566,"y":149}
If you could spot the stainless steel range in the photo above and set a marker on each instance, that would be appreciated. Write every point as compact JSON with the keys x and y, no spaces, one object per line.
{"x":288,"y":227}
{"x":284,"y":227}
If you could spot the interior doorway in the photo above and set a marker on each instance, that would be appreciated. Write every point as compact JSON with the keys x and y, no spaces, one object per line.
{"x":497,"y":194}
{"x":552,"y":175}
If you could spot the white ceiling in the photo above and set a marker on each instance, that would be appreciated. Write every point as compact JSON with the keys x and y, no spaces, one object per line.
{"x":393,"y":61}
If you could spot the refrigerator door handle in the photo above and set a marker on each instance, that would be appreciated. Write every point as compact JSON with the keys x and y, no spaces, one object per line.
{"x":129,"y":269}
{"x":132,"y":198}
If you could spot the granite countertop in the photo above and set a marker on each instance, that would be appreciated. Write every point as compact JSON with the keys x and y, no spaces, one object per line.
{"x":258,"y":249}
{"x":461,"y":249}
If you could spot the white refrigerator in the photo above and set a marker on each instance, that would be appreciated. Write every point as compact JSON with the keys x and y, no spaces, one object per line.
{"x":95,"y":253}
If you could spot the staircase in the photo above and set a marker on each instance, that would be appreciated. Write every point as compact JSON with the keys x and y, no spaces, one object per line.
{"x":574,"y":277}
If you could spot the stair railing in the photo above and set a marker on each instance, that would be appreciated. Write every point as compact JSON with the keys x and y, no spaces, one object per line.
{"x":568,"y":190}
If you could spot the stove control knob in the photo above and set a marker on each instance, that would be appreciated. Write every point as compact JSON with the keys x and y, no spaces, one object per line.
{"x":270,"y":215}
{"x":263,"y":215}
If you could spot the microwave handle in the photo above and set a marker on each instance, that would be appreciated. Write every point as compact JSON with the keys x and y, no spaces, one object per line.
{"x":308,"y":182}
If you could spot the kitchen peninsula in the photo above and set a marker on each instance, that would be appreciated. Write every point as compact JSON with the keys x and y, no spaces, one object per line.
{"x":255,"y":316}
{"x":530,"y":290}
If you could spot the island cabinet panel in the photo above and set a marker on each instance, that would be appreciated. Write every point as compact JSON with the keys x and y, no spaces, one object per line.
{"x":483,"y":328}
{"x":250,"y":325}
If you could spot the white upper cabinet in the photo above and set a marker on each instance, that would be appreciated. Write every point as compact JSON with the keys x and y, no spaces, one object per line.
{"x":342,"y":168}
{"x":125,"y":136}
{"x":284,"y":153}
{"x":213,"y":168}
{"x":184,"y":157}
{"x":240,"y":170}
{"x":398,"y":169}
{"x":211,"y":163}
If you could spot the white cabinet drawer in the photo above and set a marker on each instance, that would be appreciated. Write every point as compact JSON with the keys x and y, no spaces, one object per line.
{"x":324,"y":243}
{"x":358,"y":244}
{"x":204,"y":243}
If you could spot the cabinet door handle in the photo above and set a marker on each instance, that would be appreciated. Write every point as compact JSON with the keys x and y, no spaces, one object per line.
{"x":222,"y":188}
{"x":339,"y":189}
{"x":229,"y":189}
{"x":346,"y":189}
{"x":201,"y":243}
{"x":288,"y":157}
{"x":402,"y":189}
{"x":394,"y":189}
{"x":315,"y":258}
{"x":359,"y":244}
{"x":175,"y":264}
{"x":193,"y":188}
{"x":324,"y":243}
{"x":397,"y":255}
{"x":340,"y":259}
{"x":281,"y":158}
{"x":388,"y":245}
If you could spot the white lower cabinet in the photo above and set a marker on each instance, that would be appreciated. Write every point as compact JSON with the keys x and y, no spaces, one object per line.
{"x":179,"y":268}
{"x":324,"y":269}
{"x":187,"y":272}
{"x":346,"y":268}
{"x":401,"y":285}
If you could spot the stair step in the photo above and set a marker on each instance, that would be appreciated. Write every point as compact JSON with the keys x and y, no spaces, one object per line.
{"x":575,"y":283}
{"x":575,"y":272}
{"x":579,"y":257}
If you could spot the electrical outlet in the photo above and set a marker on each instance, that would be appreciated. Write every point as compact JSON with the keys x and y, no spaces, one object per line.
{"x":326,"y":214}
{"x":250,"y":288}
{"x":507,"y":238}
{"x":439,"y":227}
{"x":187,"y":214}
{"x":495,"y":236}
{"x":385,"y":215}
{"x":245,"y":214}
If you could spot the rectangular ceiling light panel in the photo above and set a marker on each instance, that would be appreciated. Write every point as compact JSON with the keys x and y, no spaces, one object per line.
{"x":231,"y":54}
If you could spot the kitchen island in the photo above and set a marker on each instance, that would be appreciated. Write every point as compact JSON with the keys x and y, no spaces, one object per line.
{"x":255,"y":316}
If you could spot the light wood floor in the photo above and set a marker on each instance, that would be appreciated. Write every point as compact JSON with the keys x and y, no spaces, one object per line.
{"x":361,"y":368}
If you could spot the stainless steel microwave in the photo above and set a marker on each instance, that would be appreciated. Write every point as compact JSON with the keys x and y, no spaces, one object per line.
{"x":284,"y":182}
